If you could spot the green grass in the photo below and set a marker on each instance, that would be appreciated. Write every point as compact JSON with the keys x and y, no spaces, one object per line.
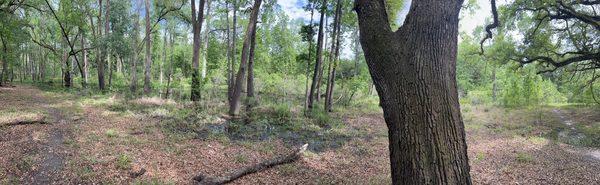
{"x":288,"y":169}
{"x":480,"y":156}
{"x":111,"y":133}
{"x":123,"y":162}
{"x":240,"y":158}
{"x":523,"y":157}
{"x":26,"y":163}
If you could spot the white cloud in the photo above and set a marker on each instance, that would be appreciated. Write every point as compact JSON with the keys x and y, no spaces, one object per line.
{"x":293,"y":8}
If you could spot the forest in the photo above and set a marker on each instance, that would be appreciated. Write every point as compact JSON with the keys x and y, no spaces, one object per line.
{"x":299,"y":92}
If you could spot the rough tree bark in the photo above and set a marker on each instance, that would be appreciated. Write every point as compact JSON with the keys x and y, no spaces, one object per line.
{"x":100,"y":58}
{"x":234,"y":106}
{"x":315,"y":80}
{"x":231,"y":86}
{"x":134,"y":60}
{"x":4,"y":75}
{"x":206,"y":40}
{"x":196,"y":28}
{"x":148,"y":62}
{"x":413,"y":70}
{"x":333,"y":56}
{"x":250,"y":101}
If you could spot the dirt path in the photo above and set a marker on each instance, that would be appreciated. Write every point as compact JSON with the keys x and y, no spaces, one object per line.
{"x":53,"y":159}
{"x":36,"y":154}
{"x":571,"y":134}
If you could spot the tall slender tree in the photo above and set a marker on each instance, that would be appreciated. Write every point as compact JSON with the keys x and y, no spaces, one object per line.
{"x":333,"y":56}
{"x":234,"y":106}
{"x":134,"y":59}
{"x":148,"y":62}
{"x":197,"y":19}
{"x":318,"y":64}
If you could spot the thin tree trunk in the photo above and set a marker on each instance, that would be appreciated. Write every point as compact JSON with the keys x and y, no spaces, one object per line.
{"x":134,"y":60}
{"x":320,"y":80}
{"x":229,"y":55}
{"x":319,"y":61}
{"x":164,"y":59}
{"x":494,"y":85}
{"x":170,"y":75}
{"x":414,"y":71}
{"x":333,"y":58}
{"x":4,"y":75}
{"x":234,"y":107}
{"x":196,"y":28}
{"x":356,"y":53}
{"x":250,"y":101}
{"x":310,"y":48}
{"x":85,"y":63}
{"x":100,"y":57}
{"x":206,"y":39}
{"x":110,"y":69}
{"x":233,"y":51}
{"x":148,"y":63}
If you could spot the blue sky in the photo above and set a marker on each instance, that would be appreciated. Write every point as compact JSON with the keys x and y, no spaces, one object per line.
{"x":468,"y":22}
{"x":293,"y":8}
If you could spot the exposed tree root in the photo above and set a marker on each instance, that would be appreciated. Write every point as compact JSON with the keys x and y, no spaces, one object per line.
{"x":293,"y":156}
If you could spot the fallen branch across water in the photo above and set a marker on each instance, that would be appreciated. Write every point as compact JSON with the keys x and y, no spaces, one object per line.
{"x":293,"y":156}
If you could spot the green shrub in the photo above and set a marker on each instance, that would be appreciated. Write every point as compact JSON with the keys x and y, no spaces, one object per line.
{"x":112,"y":133}
{"x":123,"y":162}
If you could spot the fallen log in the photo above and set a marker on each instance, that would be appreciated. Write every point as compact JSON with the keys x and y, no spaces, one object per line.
{"x":291,"y":157}
{"x":41,"y":120}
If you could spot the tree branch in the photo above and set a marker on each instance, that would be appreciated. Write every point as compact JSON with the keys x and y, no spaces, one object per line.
{"x":293,"y":156}
{"x":489,"y":28}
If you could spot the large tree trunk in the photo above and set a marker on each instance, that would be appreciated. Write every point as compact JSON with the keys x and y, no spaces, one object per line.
{"x":333,"y":56}
{"x":148,"y":62}
{"x":196,"y":28}
{"x":414,"y":73}
{"x":234,"y":106}
{"x":313,"y":87}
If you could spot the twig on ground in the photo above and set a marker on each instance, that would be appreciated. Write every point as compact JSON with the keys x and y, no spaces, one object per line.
{"x":293,"y":156}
